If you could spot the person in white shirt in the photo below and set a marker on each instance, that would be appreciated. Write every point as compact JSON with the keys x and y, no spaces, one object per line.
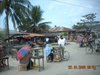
{"x":47,"y":40}
{"x":61,"y":43}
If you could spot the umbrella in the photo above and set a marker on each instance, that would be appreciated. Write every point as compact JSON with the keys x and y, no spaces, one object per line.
{"x":23,"y":52}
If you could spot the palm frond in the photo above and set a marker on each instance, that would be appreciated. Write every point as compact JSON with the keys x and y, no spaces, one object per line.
{"x":21,"y":9}
{"x":13,"y":20}
{"x":37,"y":14}
{"x":44,"y":23}
{"x":2,"y":6}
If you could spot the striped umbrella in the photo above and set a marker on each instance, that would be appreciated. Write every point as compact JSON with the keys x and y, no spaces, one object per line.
{"x":23,"y":52}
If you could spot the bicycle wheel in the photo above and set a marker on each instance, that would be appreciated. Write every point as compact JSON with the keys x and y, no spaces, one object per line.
{"x":86,"y":45}
{"x":89,"y":50}
{"x":66,"y":56}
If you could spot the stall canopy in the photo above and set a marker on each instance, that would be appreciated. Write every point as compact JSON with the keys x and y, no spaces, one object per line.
{"x":31,"y":35}
{"x":27,"y":35}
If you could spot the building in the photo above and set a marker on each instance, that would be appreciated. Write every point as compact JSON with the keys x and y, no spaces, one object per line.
{"x":56,"y":31}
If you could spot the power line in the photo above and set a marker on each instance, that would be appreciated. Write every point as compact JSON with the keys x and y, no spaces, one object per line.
{"x":73,"y":4}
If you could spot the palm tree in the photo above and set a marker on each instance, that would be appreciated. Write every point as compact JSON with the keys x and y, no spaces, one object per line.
{"x":38,"y":25}
{"x":26,"y":22}
{"x":43,"y":27}
{"x":15,"y":9}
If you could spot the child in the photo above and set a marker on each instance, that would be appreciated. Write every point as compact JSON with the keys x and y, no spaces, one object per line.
{"x":51,"y":56}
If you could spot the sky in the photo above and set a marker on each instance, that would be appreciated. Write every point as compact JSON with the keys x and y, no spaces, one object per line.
{"x":65,"y":13}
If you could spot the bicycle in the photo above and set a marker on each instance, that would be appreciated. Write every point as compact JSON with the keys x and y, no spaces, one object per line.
{"x":92,"y":47}
{"x":66,"y":56}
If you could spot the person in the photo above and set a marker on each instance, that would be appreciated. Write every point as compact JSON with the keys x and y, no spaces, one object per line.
{"x":62,"y":43}
{"x":80,"y":40}
{"x":51,"y":56}
{"x":26,"y":54}
{"x":47,"y":40}
{"x":85,"y":40}
{"x":48,"y":52}
{"x":30,"y":63}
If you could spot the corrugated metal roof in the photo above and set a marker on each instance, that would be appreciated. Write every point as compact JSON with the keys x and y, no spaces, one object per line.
{"x":60,"y":29}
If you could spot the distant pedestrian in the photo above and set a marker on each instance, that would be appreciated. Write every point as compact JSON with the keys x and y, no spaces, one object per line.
{"x":80,"y":40}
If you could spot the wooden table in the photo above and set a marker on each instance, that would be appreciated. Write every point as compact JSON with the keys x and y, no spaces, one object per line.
{"x":4,"y":62}
{"x":38,"y":57}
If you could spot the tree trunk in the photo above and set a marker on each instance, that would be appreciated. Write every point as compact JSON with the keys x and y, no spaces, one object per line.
{"x":7,"y":27}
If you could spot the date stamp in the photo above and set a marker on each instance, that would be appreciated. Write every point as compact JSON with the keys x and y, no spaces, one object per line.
{"x":82,"y":67}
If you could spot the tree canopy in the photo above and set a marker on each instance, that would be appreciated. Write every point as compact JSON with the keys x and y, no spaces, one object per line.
{"x":87,"y":22}
{"x":35,"y":22}
{"x":16,"y":10}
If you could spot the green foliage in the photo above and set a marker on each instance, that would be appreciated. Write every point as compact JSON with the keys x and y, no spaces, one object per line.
{"x":35,"y":23}
{"x":64,"y":33}
{"x":87,"y":22}
{"x":36,"y":14}
{"x":89,"y":17}
{"x":38,"y":24}
{"x":2,"y":35}
{"x":16,"y":10}
{"x":79,"y":26}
